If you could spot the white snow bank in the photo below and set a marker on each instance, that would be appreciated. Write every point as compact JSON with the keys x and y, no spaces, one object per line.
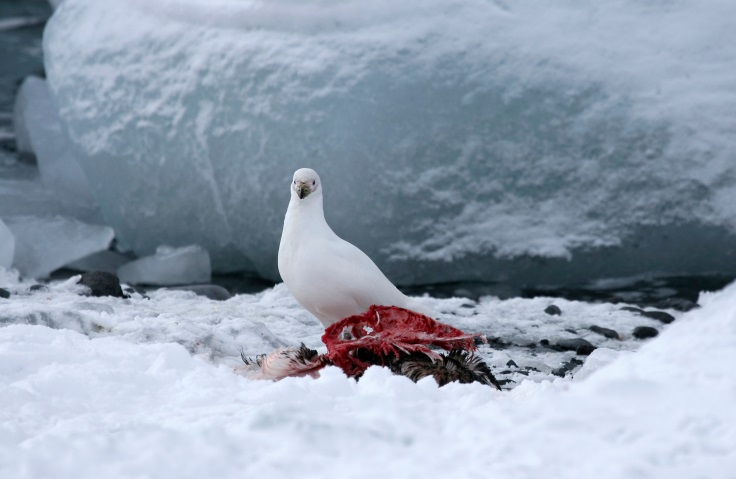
{"x":111,"y":408}
{"x":467,"y":131}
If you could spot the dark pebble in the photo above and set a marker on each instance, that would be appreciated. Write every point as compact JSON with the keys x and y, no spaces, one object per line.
{"x":679,"y":304}
{"x":38,"y":287}
{"x":497,"y":343}
{"x":211,"y":291}
{"x":567,"y":367}
{"x":666,"y":318}
{"x":101,"y":283}
{"x":579,"y":345}
{"x":512,"y":364}
{"x":553,"y":310}
{"x":546,"y":344}
{"x":609,"y":333}
{"x":644,"y":332}
{"x":4,"y":293}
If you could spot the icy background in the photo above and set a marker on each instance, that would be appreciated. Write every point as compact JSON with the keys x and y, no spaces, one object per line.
{"x":489,"y":140}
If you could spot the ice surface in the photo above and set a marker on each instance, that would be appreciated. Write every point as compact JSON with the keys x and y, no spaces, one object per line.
{"x":23,"y":193}
{"x":169,"y":266}
{"x":107,"y":261}
{"x":116,"y":398}
{"x":456,"y":140}
{"x":44,"y":244}
{"x":7,"y":246}
{"x":39,"y":132}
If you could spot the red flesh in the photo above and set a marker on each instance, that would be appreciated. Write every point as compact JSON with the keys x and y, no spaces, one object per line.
{"x":388,"y":330}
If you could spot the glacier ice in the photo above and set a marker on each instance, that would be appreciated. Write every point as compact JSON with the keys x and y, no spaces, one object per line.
{"x":460,"y":139}
{"x":169,"y":266}
{"x":45,"y":244}
{"x":38,"y":131}
{"x":106,"y":261}
{"x":7,"y":246}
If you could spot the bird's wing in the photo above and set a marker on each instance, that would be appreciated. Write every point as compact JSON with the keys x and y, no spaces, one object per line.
{"x":361,"y":278}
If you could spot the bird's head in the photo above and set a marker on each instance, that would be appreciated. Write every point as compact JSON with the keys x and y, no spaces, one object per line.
{"x":306,"y":182}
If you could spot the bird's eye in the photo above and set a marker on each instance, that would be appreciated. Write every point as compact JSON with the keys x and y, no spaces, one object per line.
{"x":314,"y":182}
{"x":294,"y":182}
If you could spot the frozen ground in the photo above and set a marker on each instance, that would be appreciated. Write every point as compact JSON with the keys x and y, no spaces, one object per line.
{"x":111,"y":390}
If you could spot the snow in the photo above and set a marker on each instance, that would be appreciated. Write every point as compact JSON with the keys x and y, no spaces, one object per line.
{"x":45,"y":244}
{"x":123,"y":399}
{"x":478,"y":140}
{"x":169,"y":266}
{"x":7,"y":246}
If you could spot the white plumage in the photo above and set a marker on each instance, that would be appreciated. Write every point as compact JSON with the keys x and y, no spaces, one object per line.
{"x":330,"y":277}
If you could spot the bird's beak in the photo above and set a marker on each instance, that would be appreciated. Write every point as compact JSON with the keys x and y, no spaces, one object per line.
{"x":303,"y":190}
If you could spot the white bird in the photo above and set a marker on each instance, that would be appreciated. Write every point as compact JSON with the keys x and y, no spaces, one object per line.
{"x":328,"y":276}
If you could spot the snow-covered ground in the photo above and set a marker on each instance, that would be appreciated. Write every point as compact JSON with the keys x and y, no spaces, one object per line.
{"x":144,"y":388}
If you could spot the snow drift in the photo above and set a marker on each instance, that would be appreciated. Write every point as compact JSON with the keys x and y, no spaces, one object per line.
{"x":467,"y":139}
{"x":121,"y":400}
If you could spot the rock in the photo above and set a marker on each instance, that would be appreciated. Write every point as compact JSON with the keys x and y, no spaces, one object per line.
{"x":553,"y":310}
{"x":512,"y":364}
{"x":666,"y":318}
{"x":38,"y":287}
{"x":545,"y":343}
{"x":102,"y":283}
{"x":680,"y":304}
{"x":567,"y":367}
{"x":211,"y":291}
{"x":608,"y":333}
{"x":4,"y":293}
{"x":579,"y":345}
{"x":644,"y":332}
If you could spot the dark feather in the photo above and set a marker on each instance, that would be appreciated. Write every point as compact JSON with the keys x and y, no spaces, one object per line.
{"x":457,"y":365}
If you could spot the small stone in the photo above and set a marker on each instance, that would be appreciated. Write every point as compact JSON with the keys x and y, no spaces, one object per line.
{"x":585,"y":350}
{"x":101,"y":283}
{"x":211,"y":291}
{"x":4,"y":293}
{"x":511,"y":364}
{"x":38,"y":287}
{"x":680,"y":304}
{"x":567,"y":367}
{"x":608,"y":333}
{"x":644,"y":332}
{"x":666,"y":318}
{"x":579,"y":345}
{"x":553,"y":310}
